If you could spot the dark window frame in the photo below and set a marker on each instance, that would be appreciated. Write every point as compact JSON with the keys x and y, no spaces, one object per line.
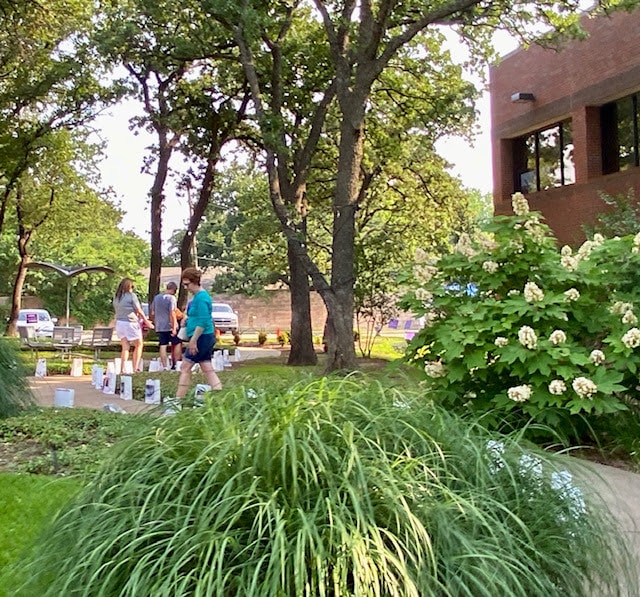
{"x":520,"y":152}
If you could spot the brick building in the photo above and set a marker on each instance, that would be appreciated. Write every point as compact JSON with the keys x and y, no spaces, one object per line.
{"x":565,"y":124}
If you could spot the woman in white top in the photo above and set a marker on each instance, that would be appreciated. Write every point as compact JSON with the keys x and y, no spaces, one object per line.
{"x":129,"y":313}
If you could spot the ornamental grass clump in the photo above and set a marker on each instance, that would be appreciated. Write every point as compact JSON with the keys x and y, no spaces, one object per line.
{"x":548,"y":334}
{"x":15,"y":394}
{"x":332,"y":488}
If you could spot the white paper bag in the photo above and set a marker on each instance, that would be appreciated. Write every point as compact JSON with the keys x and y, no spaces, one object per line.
{"x":201,"y":390}
{"x":76,"y":368}
{"x":41,"y":368}
{"x":126,"y":391}
{"x":155,"y":365}
{"x":218,"y":361}
{"x":225,"y":358}
{"x":128,"y":368}
{"x":152,"y":391}
{"x":110,"y":381}
{"x":117,"y":363}
{"x":236,"y":355}
{"x":97,"y":374}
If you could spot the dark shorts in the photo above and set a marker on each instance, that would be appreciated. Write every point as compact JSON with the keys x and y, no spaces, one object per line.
{"x":206,"y":342}
{"x":165,"y":338}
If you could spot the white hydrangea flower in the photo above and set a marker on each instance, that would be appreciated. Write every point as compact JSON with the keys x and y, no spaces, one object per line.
{"x":636,"y":239}
{"x":422,"y":294}
{"x":534,"y":230}
{"x":501,"y":341}
{"x":430,"y":318}
{"x":557,"y":337}
{"x":597,"y":357}
{"x":527,"y":337}
{"x":557,"y":387}
{"x":632,"y":338}
{"x":619,"y":308}
{"x":569,"y":263}
{"x":598,"y":238}
{"x":520,"y":204}
{"x":464,"y":246}
{"x":566,"y":251}
{"x":635,"y":250}
{"x":517,"y":246}
{"x":584,"y":387}
{"x":424,"y":273}
{"x":533,"y":293}
{"x":571,"y":295}
{"x":435,"y":369}
{"x":513,"y":292}
{"x":629,"y":318}
{"x":519,"y":393}
{"x":421,"y":256}
{"x":585,"y":249}
{"x":490,"y":267}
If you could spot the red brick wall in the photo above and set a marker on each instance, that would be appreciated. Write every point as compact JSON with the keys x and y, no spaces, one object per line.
{"x":571,"y":83}
{"x":271,"y":312}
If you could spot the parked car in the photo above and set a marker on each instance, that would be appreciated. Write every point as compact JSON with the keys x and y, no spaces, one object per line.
{"x":224,"y":318}
{"x":39,"y":318}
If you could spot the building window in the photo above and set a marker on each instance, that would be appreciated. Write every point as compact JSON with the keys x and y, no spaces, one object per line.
{"x":544,"y":159}
{"x":619,"y":121}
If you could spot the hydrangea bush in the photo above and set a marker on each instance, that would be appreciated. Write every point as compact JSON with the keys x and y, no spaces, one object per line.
{"x":515,"y":325}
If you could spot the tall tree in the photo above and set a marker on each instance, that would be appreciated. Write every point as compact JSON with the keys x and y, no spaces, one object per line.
{"x":49,"y":81}
{"x":362,"y":40}
{"x":168,"y":51}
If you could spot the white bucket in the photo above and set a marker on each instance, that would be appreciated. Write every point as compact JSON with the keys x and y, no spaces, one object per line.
{"x":63,"y":398}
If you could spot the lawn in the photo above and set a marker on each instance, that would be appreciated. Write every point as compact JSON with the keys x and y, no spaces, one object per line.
{"x":28,"y":502}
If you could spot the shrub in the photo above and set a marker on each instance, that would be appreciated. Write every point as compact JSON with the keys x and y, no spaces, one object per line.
{"x":283,"y":337}
{"x":334,"y":488}
{"x":15,"y":394}
{"x":545,"y":334}
{"x":262,"y":337}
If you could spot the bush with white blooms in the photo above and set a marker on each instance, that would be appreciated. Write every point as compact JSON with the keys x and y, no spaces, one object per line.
{"x":516,"y":325}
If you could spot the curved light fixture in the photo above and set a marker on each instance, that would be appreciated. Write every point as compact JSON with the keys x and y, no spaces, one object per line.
{"x":68,"y":273}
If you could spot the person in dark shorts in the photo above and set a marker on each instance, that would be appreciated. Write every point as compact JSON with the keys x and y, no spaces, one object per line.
{"x":200,"y":333}
{"x":163,"y":311}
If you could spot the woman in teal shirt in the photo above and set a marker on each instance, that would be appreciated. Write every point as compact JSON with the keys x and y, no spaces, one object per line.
{"x":201,"y":334}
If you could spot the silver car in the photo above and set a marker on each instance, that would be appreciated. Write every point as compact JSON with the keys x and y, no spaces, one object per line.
{"x":224,"y":318}
{"x":40,"y":319}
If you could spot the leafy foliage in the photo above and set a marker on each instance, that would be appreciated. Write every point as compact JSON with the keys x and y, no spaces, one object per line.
{"x":15,"y":394}
{"x":549,"y":335}
{"x":621,"y":218}
{"x":65,"y":441}
{"x":337,"y":487}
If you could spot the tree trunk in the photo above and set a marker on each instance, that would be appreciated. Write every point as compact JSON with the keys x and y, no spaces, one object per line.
{"x":157,"y":198}
{"x":302,"y":350}
{"x":342,"y":353}
{"x":18,"y":285}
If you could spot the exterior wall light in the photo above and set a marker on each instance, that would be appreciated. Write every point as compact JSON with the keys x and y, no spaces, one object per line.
{"x":523,"y":97}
